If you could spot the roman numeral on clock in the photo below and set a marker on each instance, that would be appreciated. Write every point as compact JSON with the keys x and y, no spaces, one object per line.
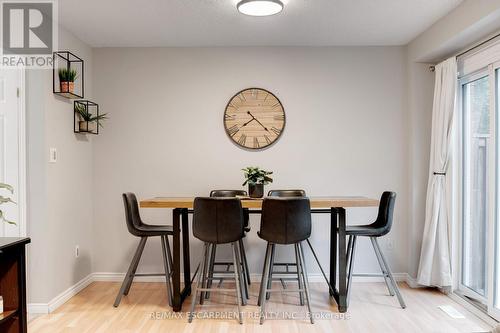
{"x":242,"y":139}
{"x":268,"y":141}
{"x":275,"y":130}
{"x":229,"y":116}
{"x":256,"y":142}
{"x":279,"y":117}
{"x":233,"y":130}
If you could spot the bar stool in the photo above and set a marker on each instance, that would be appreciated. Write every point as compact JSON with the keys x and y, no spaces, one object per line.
{"x":139,"y":229}
{"x":285,"y":221}
{"x":291,"y":194}
{"x":379,"y":228}
{"x":213,"y":263}
{"x":218,"y":221}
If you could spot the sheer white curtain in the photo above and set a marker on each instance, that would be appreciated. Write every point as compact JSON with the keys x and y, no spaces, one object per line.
{"x":435,"y":261}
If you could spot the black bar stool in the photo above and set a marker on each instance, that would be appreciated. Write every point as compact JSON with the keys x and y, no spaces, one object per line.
{"x":285,"y":221}
{"x":291,"y":194}
{"x":379,"y":228}
{"x":213,"y":263}
{"x":218,"y":221}
{"x":139,"y":229}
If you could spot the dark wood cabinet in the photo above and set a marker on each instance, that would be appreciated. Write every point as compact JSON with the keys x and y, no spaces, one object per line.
{"x":13,"y":319}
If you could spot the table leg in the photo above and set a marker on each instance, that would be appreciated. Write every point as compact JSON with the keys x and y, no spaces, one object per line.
{"x":176,"y":269}
{"x":185,"y":252}
{"x":342,"y":299}
{"x":333,"y":250}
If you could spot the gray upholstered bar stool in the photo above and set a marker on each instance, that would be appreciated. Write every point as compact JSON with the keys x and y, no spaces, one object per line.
{"x":285,"y":221}
{"x":290,"y":194}
{"x":213,"y":263}
{"x":218,"y":221}
{"x":379,"y":228}
{"x":139,"y":229}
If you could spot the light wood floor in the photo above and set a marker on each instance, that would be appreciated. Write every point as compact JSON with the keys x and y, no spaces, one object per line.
{"x":145,"y":310}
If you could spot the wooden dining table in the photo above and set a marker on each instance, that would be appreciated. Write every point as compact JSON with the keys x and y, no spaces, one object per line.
{"x":335,"y":206}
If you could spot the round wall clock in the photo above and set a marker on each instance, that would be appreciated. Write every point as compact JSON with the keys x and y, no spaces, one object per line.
{"x":254,"y":118}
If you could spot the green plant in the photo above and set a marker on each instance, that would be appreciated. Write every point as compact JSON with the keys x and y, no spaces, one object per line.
{"x":6,"y":199}
{"x":67,"y":75}
{"x":255,"y":175}
{"x":86,"y":115}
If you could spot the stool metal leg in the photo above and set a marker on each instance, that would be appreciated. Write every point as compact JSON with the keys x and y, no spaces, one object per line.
{"x":263,"y":283}
{"x":351,"y":258}
{"x":167,"y":269}
{"x":389,"y":273}
{"x":127,"y":281}
{"x":237,"y":280}
{"x":198,"y":285}
{"x":245,"y":262}
{"x":303,"y":272}
{"x":204,"y":273}
{"x":211,"y":269}
{"x":136,"y":261}
{"x":262,"y":279}
{"x":301,"y":287}
{"x":244,"y":282}
{"x":384,"y":271}
{"x":270,"y":280}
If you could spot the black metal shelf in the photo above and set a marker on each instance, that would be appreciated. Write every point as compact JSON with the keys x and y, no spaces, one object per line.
{"x":68,"y":60}
{"x":82,"y":126}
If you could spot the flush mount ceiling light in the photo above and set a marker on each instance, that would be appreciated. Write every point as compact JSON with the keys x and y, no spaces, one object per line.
{"x":260,"y":7}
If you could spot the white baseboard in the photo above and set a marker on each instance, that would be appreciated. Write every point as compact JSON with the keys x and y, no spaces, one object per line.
{"x":45,"y":308}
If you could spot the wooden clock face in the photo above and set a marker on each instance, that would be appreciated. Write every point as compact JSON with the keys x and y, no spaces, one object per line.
{"x":254,"y":118}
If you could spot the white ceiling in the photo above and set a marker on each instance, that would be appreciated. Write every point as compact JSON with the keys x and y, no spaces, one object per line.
{"x":217,"y":22}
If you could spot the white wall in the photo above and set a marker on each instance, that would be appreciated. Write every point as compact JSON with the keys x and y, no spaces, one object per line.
{"x":346,"y":134}
{"x":60,"y":195}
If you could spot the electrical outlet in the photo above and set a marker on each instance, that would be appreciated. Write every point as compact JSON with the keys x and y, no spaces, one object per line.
{"x":52,"y":155}
{"x":77,"y":251}
{"x":389,"y":244}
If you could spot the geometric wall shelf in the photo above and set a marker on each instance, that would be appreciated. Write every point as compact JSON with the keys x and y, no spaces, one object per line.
{"x":67,"y":75}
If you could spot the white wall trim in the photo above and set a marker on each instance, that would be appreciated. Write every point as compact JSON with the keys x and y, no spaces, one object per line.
{"x":22,"y":170}
{"x":45,"y":308}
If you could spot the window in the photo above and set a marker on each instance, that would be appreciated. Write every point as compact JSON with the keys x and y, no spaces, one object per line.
{"x":476,"y":138}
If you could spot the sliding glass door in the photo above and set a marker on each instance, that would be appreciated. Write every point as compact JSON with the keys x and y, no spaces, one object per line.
{"x":476,"y":140}
{"x":479,"y":201}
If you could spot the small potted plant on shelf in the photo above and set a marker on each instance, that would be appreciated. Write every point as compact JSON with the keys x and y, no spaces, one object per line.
{"x":5,"y":199}
{"x":256,"y":178}
{"x":88,"y":121}
{"x":67,"y":77}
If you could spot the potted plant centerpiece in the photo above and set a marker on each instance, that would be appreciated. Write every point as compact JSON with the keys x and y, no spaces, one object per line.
{"x":256,"y":178}
{"x":67,"y":77}
{"x":5,"y":199}
{"x":88,"y":121}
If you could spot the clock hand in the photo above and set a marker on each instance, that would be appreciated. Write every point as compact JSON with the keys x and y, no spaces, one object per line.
{"x":248,"y":122}
{"x":257,"y":120}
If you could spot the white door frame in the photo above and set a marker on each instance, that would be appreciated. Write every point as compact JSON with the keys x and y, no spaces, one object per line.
{"x":23,"y":185}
